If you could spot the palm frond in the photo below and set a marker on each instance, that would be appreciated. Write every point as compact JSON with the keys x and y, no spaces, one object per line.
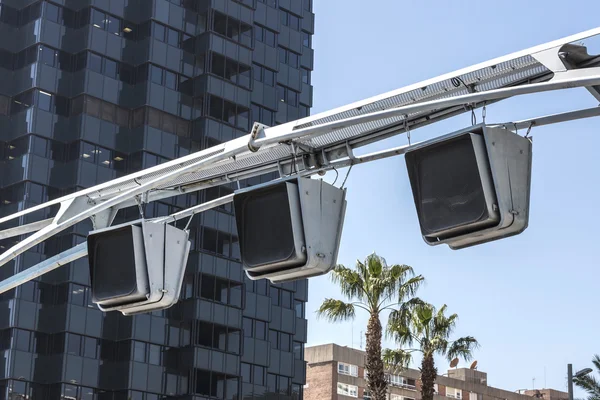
{"x":396,"y":360}
{"x":350,"y":282}
{"x":361,"y":268}
{"x":399,"y":329}
{"x":399,"y":283}
{"x":424,"y":314}
{"x":409,"y":289}
{"x":590,"y":385}
{"x":399,"y":321}
{"x":336,"y":310}
{"x":596,"y":362}
{"x":375,"y":265}
{"x":376,"y":269}
{"x":463,"y":348}
{"x":444,"y":325}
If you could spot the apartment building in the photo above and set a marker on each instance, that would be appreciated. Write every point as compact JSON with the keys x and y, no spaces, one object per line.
{"x":336,"y":372}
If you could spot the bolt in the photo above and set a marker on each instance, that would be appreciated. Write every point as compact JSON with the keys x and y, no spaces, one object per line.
{"x":320,"y":255}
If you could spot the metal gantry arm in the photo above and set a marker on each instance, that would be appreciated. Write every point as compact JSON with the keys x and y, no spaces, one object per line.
{"x":317,"y":143}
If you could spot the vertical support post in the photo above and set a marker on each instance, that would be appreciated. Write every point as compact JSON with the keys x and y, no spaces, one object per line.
{"x":570,"y":380}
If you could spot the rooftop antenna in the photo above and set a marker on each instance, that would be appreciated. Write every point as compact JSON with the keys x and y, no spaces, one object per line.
{"x":533,"y":383}
{"x":361,"y":339}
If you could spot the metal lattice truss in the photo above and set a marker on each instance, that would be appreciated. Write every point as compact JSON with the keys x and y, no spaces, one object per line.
{"x":317,"y":143}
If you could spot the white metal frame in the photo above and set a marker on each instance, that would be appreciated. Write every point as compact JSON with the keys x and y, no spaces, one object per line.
{"x":317,"y":143}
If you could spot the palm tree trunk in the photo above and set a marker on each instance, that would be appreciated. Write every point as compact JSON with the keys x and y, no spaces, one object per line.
{"x":376,"y":375}
{"x":428,"y":376}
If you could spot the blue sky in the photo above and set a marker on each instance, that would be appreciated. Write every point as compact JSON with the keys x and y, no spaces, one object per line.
{"x":530,"y":300}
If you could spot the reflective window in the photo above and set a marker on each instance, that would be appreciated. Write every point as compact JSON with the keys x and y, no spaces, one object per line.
{"x":290,"y":20}
{"x":48,"y":56}
{"x":98,"y":19}
{"x":306,"y":39}
{"x":271,"y":3}
{"x":154,"y":355}
{"x":173,"y":37}
{"x":286,"y":299}
{"x":110,"y":68}
{"x":261,"y":287}
{"x":156,"y":74}
{"x":22,"y":339}
{"x":171,"y":80}
{"x":289,"y":57}
{"x":94,"y":62}
{"x":245,"y":372}
{"x":230,"y":70}
{"x":139,"y":351}
{"x":284,"y":385}
{"x":265,"y":35}
{"x":284,"y":341}
{"x":264,"y":75}
{"x":247,"y":327}
{"x":258,"y":375}
{"x":287,"y":95}
{"x":274,"y":296}
{"x":260,"y":330}
{"x":233,"y":114}
{"x":90,"y":347}
{"x":52,"y":12}
{"x":298,"y":351}
{"x":265,"y":116}
{"x":113,"y":25}
{"x":215,"y":385}
{"x":271,"y":383}
{"x":305,"y":76}
{"x":77,"y":295}
{"x":73,"y":344}
{"x":44,"y":101}
{"x":159,"y":31}
{"x":232,"y":28}
{"x":299,"y":307}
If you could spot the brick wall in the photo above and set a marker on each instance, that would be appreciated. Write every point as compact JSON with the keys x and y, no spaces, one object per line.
{"x":442,"y":390}
{"x":321,"y":381}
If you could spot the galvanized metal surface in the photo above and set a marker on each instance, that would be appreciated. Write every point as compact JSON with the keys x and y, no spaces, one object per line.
{"x":327,"y":137}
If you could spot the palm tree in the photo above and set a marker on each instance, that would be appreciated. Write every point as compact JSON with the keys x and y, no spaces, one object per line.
{"x":430,"y":329}
{"x":589,"y":383}
{"x":372,"y":286}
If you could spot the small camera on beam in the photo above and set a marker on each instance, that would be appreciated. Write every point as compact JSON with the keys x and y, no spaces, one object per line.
{"x":472,"y":186}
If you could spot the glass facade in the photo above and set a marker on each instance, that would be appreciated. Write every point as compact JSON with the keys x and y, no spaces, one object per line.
{"x":91,"y":90}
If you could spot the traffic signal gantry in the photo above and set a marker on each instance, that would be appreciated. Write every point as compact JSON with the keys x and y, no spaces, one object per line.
{"x":469,"y":187}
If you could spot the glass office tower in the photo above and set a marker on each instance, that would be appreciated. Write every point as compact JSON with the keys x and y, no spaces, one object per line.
{"x":91,"y":90}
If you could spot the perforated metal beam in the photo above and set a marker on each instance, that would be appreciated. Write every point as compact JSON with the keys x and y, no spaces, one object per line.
{"x":325,"y":140}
